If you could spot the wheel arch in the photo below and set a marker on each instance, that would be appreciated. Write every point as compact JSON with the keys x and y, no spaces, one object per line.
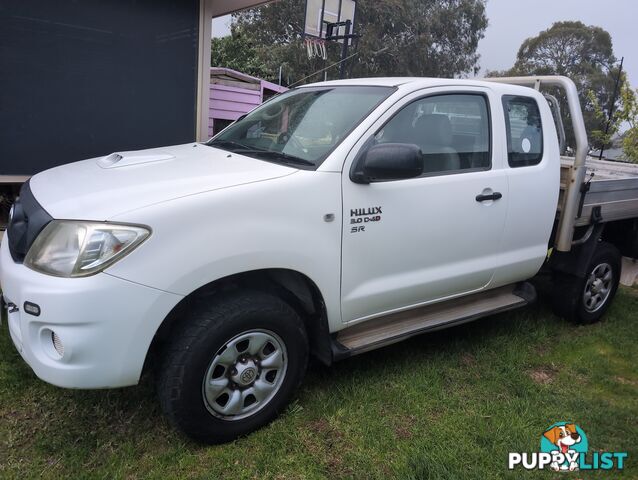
{"x":623,"y":234}
{"x":295,"y":288}
{"x":576,"y":260}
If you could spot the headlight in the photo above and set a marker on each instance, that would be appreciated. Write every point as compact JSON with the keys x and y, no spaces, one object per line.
{"x":76,"y":249}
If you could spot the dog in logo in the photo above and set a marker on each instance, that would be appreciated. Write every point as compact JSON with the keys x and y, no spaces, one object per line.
{"x":564,"y":437}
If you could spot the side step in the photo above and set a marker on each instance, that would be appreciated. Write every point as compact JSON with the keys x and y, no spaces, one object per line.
{"x":395,"y":327}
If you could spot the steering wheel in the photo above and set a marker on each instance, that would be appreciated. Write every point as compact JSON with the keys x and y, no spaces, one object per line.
{"x":285,"y":138}
{"x":273,"y":111}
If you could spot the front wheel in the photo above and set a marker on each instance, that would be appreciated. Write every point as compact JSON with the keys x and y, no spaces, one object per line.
{"x":234,"y":366}
{"x":585,"y":300}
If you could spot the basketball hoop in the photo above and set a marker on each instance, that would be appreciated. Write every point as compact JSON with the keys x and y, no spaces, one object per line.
{"x":315,"y":47}
{"x":329,"y":21}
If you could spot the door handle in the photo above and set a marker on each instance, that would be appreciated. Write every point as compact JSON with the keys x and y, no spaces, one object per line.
{"x":492,"y":196}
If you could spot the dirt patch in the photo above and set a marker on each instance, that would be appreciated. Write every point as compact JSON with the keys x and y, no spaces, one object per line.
{"x":323,"y":428}
{"x":403,"y":427}
{"x":468,"y":360}
{"x":626,"y":381}
{"x":337,"y":468}
{"x":403,"y":433}
{"x":326,"y":441}
{"x":541,"y":350}
{"x":543,"y":375}
{"x":435,"y":415}
{"x":319,"y":426}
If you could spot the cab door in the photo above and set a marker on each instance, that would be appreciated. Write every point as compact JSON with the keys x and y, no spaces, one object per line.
{"x":424,"y":239}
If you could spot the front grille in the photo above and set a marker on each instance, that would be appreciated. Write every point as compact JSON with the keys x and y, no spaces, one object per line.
{"x":26,"y":222}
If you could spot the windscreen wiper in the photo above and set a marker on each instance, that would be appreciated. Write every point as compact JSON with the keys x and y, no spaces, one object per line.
{"x":284,"y":157}
{"x":248,"y":150}
{"x":229,"y":145}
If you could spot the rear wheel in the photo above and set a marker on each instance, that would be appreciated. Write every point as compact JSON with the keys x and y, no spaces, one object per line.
{"x":234,"y":367}
{"x":585,"y":300}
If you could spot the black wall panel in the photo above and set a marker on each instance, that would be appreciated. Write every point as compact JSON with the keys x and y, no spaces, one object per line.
{"x":82,"y":78}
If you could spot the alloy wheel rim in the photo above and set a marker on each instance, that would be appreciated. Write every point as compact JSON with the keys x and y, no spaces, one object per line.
{"x":598,"y":287}
{"x":245,"y":374}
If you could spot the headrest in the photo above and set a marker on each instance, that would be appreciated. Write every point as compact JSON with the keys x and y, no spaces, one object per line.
{"x":435,"y":129}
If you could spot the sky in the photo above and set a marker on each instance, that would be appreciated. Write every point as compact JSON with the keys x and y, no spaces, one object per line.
{"x":512,"y":21}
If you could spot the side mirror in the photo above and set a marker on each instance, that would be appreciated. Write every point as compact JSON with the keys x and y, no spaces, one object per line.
{"x":389,"y":161}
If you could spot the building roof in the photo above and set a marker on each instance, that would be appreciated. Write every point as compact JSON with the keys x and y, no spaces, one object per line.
{"x":224,"y":74}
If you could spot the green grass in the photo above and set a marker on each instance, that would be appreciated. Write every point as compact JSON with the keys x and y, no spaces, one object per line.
{"x":449,"y":405}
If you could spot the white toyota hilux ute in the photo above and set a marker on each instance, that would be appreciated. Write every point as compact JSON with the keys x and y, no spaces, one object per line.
{"x":334,"y":219}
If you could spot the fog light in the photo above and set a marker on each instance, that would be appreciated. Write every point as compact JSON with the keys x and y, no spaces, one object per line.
{"x":57,"y":343}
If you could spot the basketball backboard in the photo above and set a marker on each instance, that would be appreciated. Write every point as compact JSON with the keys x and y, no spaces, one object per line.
{"x":319,"y":13}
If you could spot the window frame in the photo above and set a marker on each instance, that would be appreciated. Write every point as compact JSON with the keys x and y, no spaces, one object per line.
{"x":508,"y":130}
{"x":370,"y":141}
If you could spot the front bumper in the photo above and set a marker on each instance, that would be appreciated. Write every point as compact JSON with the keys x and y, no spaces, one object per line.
{"x":105,"y":324}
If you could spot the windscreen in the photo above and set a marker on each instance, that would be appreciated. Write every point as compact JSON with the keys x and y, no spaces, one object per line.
{"x":301,"y":126}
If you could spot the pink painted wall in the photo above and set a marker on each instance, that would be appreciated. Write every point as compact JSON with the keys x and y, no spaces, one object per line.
{"x":229,"y":103}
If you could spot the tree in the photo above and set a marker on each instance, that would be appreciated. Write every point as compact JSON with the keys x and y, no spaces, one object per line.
{"x":626,"y":115}
{"x":630,"y":143}
{"x":567,"y":48}
{"x":436,"y":38}
{"x":239,"y":52}
{"x":398,"y":37}
{"x":583,"y":53}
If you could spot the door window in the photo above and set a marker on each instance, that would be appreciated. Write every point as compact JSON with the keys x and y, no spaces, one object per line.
{"x":524,"y":131}
{"x":452,"y":131}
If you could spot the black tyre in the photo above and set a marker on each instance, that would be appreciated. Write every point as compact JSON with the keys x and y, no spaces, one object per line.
{"x":233,"y":367}
{"x":585,"y":300}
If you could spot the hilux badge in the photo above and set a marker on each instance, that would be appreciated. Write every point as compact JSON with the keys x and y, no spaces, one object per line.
{"x":359,"y":216}
{"x":359,"y":212}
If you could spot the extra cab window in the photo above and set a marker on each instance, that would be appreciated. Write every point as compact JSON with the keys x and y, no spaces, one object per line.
{"x":452,"y":131}
{"x":524,"y":131}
